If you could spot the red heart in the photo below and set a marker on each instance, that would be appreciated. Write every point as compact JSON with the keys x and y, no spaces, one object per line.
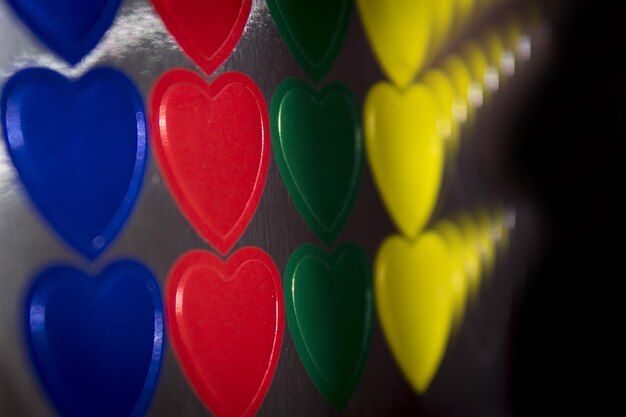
{"x":226,"y":323}
{"x":212,"y":143}
{"x":207,"y":30}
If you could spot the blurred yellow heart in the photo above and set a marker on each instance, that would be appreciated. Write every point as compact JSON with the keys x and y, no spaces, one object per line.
{"x":443,"y":90}
{"x":477,"y":64}
{"x":443,"y":15}
{"x":459,"y":74}
{"x":405,"y":152}
{"x":400,"y":34}
{"x":414,"y":303}
{"x":473,"y":266}
{"x":453,"y":238}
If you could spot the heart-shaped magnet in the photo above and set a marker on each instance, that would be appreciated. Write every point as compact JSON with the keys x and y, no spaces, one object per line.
{"x":405,"y":152}
{"x":212,"y":143}
{"x":96,"y":342}
{"x":313,"y":30}
{"x":80,"y":149}
{"x":400,"y":35}
{"x":71,"y":28}
{"x":226,"y":323}
{"x":207,"y":30}
{"x":415,"y":303}
{"x":328,"y":301}
{"x":318,"y":145}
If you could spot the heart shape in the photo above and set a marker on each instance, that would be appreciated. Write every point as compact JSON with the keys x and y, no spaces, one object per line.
{"x":313,"y":30}
{"x":414,"y":303}
{"x":318,"y":146}
{"x":226,"y":321}
{"x":207,"y":30}
{"x":96,"y":343}
{"x":79,"y":148}
{"x":329,"y":311}
{"x":212,"y":143}
{"x":400,"y":35}
{"x":405,"y":151}
{"x":71,"y":28}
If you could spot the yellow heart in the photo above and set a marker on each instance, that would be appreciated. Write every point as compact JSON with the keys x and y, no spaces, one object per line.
{"x":494,"y":51}
{"x":469,"y":230}
{"x":501,"y":229}
{"x":459,"y":74}
{"x":477,"y":64}
{"x":400,"y":33}
{"x":443,"y":90}
{"x":453,"y":238}
{"x":414,"y":303}
{"x":486,"y":243}
{"x":443,"y":14}
{"x":464,"y":11}
{"x":405,"y":152}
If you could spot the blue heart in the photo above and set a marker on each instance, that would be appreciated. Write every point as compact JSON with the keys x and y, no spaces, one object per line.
{"x":79,"y":148}
{"x":71,"y":28}
{"x":96,"y":343}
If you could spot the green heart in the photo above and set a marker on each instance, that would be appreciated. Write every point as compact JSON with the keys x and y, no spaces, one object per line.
{"x":318,"y":144}
{"x":313,"y":30}
{"x":329,"y":307}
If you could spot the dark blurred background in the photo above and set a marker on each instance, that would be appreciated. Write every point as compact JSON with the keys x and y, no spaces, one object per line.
{"x":569,"y":154}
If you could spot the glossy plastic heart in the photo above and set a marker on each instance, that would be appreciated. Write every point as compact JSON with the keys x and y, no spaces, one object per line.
{"x":207,"y":30}
{"x":226,"y":322}
{"x":405,"y":151}
{"x":96,"y":343}
{"x":329,"y":309}
{"x":313,"y":30}
{"x":318,"y":145}
{"x":400,"y":34}
{"x":71,"y":28}
{"x":415,"y":304}
{"x":80,"y":149}
{"x":212,"y":143}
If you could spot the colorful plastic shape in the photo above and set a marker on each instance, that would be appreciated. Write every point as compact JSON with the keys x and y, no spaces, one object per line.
{"x":212,"y":143}
{"x":80,"y":149}
{"x":405,"y":152}
{"x":96,"y":343}
{"x":313,"y":30}
{"x":329,"y":307}
{"x":71,"y":28}
{"x":318,"y":145}
{"x":226,"y":323}
{"x":415,"y":304}
{"x":207,"y":30}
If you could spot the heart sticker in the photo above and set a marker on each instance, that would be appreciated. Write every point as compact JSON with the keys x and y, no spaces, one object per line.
{"x":400,"y":35}
{"x":405,"y":152}
{"x":443,"y":90}
{"x":318,"y":146}
{"x":329,"y":310}
{"x":414,"y":303}
{"x":71,"y":28}
{"x":207,"y":30}
{"x":456,"y":69}
{"x":80,"y":149}
{"x":313,"y":30}
{"x":212,"y":143}
{"x":96,"y":342}
{"x":473,"y":266}
{"x":226,"y":322}
{"x":453,"y":239}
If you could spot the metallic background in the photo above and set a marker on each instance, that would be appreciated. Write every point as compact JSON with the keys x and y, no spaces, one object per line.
{"x":474,"y":379}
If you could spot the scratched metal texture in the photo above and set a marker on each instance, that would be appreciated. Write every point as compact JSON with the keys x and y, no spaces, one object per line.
{"x":474,"y":379}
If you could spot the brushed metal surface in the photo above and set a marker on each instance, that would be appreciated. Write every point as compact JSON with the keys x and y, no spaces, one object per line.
{"x":473,"y":379}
